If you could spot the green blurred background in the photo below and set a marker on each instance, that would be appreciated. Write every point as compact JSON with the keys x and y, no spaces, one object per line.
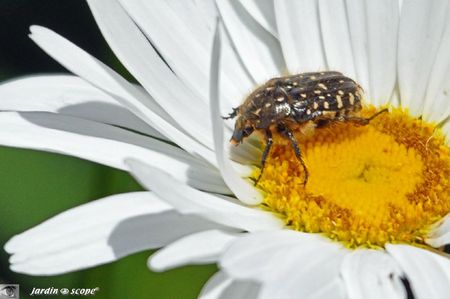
{"x":37,"y":185}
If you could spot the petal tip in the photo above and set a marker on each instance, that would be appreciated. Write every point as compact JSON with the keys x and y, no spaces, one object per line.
{"x":15,"y":259}
{"x":11,"y":246}
{"x":152,"y":264}
{"x":34,"y":29}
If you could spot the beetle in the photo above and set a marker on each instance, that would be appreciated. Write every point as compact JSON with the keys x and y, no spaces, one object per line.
{"x":285,"y":104}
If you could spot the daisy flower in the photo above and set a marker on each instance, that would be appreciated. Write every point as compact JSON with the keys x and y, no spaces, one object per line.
{"x":372,"y":220}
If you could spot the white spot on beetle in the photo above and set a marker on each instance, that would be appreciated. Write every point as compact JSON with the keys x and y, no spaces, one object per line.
{"x":339,"y":102}
{"x":323,"y":86}
{"x":351,"y":98}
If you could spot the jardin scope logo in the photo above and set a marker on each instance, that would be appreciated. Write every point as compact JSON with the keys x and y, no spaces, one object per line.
{"x":63,"y":291}
{"x":8,"y":291}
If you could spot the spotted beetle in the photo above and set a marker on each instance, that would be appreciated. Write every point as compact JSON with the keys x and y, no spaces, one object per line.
{"x":282,"y":104}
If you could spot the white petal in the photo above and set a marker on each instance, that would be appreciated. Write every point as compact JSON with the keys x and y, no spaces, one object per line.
{"x":372,"y":274}
{"x":263,"y":12}
{"x":259,"y":50}
{"x":141,"y":59}
{"x":200,"y":248}
{"x":336,"y":37}
{"x":175,"y":25}
{"x":241,"y":289}
{"x":428,"y":273}
{"x":301,"y":263}
{"x":220,"y":286}
{"x":113,"y":208}
{"x":99,"y":232}
{"x":257,"y":255}
{"x":215,"y":286}
{"x":233,"y":71}
{"x":421,"y":28}
{"x":231,"y":96}
{"x":395,"y":98}
{"x":247,"y":154}
{"x":358,"y":26}
{"x":373,"y":30}
{"x":187,"y":200}
{"x":68,"y":95}
{"x":233,"y":68}
{"x":440,"y":235}
{"x":299,"y":33}
{"x":101,"y":76}
{"x":333,"y":289}
{"x":103,"y":144}
{"x":250,"y":256}
{"x":438,"y":92}
{"x":240,"y":187}
{"x":446,"y":130}
{"x":382,"y":28}
{"x":172,"y":26}
{"x":96,"y":73}
{"x":304,"y":274}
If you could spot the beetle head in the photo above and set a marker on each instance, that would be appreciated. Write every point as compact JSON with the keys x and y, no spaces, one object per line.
{"x":242,"y":129}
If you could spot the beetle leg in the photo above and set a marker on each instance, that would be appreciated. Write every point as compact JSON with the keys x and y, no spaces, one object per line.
{"x":286,"y":132}
{"x":232,"y":114}
{"x":378,"y":113}
{"x":265,"y":153}
{"x":324,"y":122}
{"x":364,"y":121}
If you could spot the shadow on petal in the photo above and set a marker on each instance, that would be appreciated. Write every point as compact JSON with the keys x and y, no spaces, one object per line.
{"x":110,"y":114}
{"x":111,"y":145}
{"x":154,"y":231}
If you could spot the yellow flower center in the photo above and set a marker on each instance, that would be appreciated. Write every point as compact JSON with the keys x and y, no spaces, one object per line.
{"x":368,"y":185}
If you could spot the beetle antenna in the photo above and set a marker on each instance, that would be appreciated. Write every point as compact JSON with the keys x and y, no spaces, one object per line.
{"x":232,"y":114}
